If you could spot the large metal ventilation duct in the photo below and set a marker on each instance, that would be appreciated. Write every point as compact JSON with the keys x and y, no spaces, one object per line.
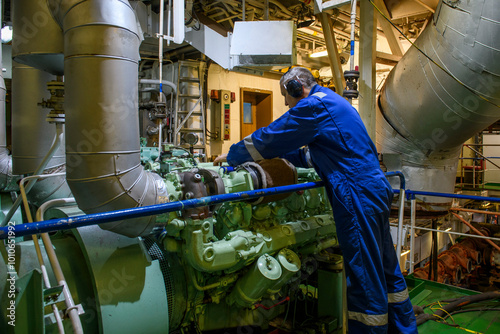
{"x":7,"y":181}
{"x":37,"y":41}
{"x":32,"y":135}
{"x":428,"y":115}
{"x":6,"y":177}
{"x":101,"y":51}
{"x":37,"y":38}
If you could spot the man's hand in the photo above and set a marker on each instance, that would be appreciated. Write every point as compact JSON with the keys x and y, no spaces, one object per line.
{"x":220,"y":159}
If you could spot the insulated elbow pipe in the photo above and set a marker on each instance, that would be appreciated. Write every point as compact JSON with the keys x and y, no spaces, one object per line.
{"x":426,"y":115}
{"x":7,"y":180}
{"x":101,"y":51}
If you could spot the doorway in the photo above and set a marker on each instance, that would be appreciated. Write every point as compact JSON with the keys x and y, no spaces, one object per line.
{"x":256,"y":110}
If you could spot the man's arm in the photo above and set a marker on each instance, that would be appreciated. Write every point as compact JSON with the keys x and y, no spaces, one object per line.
{"x":294,"y":129}
{"x":299,"y":158}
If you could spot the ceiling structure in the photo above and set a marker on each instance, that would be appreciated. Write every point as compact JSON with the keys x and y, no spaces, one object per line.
{"x":410,"y":16}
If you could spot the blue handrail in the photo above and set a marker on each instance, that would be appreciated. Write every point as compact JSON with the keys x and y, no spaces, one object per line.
{"x":106,"y":217}
{"x":402,"y":182}
{"x":411,"y":193}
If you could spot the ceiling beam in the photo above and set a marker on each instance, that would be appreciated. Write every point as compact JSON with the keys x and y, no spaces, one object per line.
{"x":387,"y":58}
{"x":333,"y":53}
{"x":390,"y":32}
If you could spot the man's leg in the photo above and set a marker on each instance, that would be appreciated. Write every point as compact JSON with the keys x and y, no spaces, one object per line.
{"x":401,"y":316}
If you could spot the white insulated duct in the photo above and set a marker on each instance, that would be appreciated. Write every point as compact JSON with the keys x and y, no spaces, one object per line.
{"x":101,"y":51}
{"x":37,"y":41}
{"x":7,"y":180}
{"x":37,"y":38}
{"x":32,"y":135}
{"x":427,"y":115}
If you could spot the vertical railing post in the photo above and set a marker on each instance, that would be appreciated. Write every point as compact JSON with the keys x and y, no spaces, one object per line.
{"x":412,"y":231}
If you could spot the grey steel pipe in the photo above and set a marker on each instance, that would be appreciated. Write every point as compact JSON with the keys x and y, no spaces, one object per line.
{"x":157,"y":82}
{"x":58,"y":138}
{"x":37,"y":39}
{"x":102,"y":152}
{"x":7,"y":179}
{"x":426,"y":115}
{"x":32,"y":136}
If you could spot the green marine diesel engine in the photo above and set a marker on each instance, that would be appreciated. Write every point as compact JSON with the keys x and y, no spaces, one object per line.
{"x":256,"y":263}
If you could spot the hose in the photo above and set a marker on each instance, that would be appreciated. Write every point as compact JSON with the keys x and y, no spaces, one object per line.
{"x":455,"y":304}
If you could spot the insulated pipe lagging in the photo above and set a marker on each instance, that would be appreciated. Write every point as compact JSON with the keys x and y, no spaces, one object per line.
{"x":102,"y":146}
{"x":426,"y":115}
{"x":7,"y":180}
{"x":32,"y":135}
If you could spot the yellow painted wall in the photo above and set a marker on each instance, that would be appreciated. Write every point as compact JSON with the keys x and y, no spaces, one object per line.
{"x":219,"y":78}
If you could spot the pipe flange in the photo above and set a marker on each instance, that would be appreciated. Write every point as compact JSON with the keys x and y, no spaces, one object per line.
{"x":279,"y":172}
{"x":259,"y":177}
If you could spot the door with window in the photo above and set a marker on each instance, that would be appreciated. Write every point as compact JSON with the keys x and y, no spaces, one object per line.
{"x":256,"y":110}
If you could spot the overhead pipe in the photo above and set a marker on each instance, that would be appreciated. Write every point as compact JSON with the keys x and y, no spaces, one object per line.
{"x":103,"y":152}
{"x":53,"y":225}
{"x":427,"y":114}
{"x":37,"y":39}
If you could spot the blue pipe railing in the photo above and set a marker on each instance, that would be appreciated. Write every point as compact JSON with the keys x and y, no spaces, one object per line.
{"x":106,"y":217}
{"x":411,"y":193}
{"x":402,"y":182}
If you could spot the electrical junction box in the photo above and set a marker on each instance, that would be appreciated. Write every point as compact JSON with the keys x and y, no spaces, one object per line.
{"x":220,"y":128}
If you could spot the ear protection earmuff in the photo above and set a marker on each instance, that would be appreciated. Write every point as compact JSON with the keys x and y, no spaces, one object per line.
{"x":294,"y":88}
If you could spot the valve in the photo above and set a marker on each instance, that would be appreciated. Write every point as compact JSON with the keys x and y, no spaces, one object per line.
{"x":55,"y":102}
{"x":351,"y":80}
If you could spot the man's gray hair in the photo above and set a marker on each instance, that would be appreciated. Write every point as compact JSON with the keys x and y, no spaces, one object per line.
{"x":301,"y":74}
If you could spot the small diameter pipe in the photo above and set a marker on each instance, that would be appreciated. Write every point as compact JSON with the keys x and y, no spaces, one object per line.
{"x":456,"y":233}
{"x":106,"y":217}
{"x":160,"y":49}
{"x":157,"y":82}
{"x":402,"y":185}
{"x":55,"y":145}
{"x":71,"y":308}
{"x":37,"y":246}
{"x":477,"y":211}
{"x":402,"y":181}
{"x":479,"y":153}
{"x":400,"y":224}
{"x":476,"y":230}
{"x":412,"y":231}
{"x":46,"y":280}
{"x":353,"y":27}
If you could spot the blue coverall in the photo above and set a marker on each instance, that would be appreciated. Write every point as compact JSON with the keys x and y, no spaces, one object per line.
{"x":325,"y":132}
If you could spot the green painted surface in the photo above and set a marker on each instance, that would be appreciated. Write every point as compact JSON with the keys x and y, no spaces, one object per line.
{"x":428,"y":293}
{"x":492,"y":186}
{"x":29,"y":304}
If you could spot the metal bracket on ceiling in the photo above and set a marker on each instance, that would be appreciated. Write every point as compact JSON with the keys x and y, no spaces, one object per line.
{"x":320,"y":6}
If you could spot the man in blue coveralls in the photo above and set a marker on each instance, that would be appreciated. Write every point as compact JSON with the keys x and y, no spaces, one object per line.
{"x":322,"y":130}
